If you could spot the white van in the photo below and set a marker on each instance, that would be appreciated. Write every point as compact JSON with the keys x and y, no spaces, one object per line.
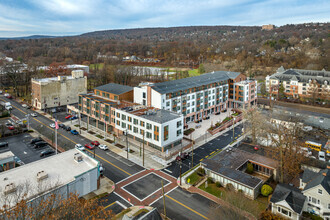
{"x":322,"y":156}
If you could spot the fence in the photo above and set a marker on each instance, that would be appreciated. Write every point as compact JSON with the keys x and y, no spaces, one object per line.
{"x":226,"y":125}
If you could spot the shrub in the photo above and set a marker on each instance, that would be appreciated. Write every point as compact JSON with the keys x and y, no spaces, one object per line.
{"x":218,"y":184}
{"x":249,"y":168}
{"x":266,"y":190}
{"x":230,"y":187}
{"x":209,"y":180}
{"x":240,"y":191}
{"x":200,"y":171}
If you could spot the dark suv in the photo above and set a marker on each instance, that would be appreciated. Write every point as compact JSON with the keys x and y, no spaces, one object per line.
{"x":46,"y":152}
{"x":40,"y":144}
{"x":35,"y":140}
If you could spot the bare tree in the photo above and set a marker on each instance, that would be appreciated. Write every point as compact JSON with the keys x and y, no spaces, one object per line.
{"x":13,"y":72}
{"x":255,"y":122}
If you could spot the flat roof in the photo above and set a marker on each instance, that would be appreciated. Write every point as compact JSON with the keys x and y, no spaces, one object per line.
{"x":6,"y":155}
{"x":61,"y":169}
{"x":228,"y":162}
{"x":191,"y":82}
{"x":160,"y":115}
{"x":53,"y":79}
{"x":114,"y":88}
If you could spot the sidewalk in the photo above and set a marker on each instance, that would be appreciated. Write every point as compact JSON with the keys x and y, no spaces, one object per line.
{"x":107,"y":186}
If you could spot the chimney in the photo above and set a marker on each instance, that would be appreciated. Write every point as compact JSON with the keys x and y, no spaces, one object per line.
{"x":41,"y":175}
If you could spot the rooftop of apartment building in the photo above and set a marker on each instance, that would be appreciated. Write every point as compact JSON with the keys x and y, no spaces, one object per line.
{"x":196,"y":81}
{"x":74,"y":75}
{"x":245,"y":82}
{"x":114,"y":88}
{"x":49,"y":172}
{"x":150,"y":113}
{"x":301,"y":75}
{"x":229,"y":162}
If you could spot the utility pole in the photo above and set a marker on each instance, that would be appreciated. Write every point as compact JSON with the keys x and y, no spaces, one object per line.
{"x":233,"y":127}
{"x":126,"y":133}
{"x":164,"y":199}
{"x":143,"y":151}
{"x":79,"y":115}
{"x":180,"y":171}
{"x":192,"y":155}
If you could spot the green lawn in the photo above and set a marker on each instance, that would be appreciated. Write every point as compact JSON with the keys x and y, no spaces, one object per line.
{"x":214,"y":190}
{"x":194,"y":177}
{"x":193,"y":72}
{"x":99,"y":65}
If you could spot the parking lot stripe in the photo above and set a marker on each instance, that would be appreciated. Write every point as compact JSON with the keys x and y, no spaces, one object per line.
{"x":110,"y":205}
{"x":186,"y":206}
{"x":75,"y":143}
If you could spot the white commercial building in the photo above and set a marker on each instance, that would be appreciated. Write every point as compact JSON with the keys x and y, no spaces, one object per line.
{"x":69,"y":172}
{"x":58,"y":91}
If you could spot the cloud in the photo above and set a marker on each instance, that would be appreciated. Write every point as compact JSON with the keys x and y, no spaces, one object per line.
{"x":79,"y":16}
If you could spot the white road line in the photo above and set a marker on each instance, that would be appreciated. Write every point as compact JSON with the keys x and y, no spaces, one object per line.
{"x":123,"y":198}
{"x":121,"y":205}
{"x":168,"y":171}
{"x":130,"y":176}
{"x":162,"y":196}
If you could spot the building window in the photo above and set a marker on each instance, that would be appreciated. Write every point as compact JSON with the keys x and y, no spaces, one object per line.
{"x":123,"y":125}
{"x":178,"y":124}
{"x":319,"y":191}
{"x":167,"y":104}
{"x":129,"y":119}
{"x":142,"y":123}
{"x":135,"y":121}
{"x":329,"y":206}
{"x":144,"y":95}
{"x":144,"y":102}
{"x":149,"y":126}
{"x":118,"y":115}
{"x":129,"y":127}
{"x":166,"y":133}
{"x":116,"y":97}
{"x":156,"y":137}
{"x":141,"y":132}
{"x":148,"y":135}
{"x":135,"y":130}
{"x":118,"y":122}
{"x":156,"y":129}
{"x":123,"y":117}
{"x":97,"y":92}
{"x":178,"y":132}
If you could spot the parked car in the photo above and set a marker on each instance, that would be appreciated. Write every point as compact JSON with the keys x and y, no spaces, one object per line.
{"x":52,"y":125}
{"x":91,"y":147}
{"x":11,"y":127}
{"x":95,"y":143}
{"x":34,"y":114}
{"x":256,"y":147}
{"x":67,"y":117}
{"x":321,"y":156}
{"x":79,"y":147}
{"x":68,"y":128}
{"x":73,"y":118}
{"x":74,"y":132}
{"x":40,"y":144}
{"x":103,"y":147}
{"x":18,"y":161}
{"x":6,"y":95}
{"x":60,"y":125}
{"x":46,"y":152}
{"x":35,"y":140}
{"x":8,"y":124}
{"x":24,"y":106}
{"x":3,"y":144}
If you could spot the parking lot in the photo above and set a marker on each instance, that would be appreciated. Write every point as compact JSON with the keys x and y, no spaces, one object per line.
{"x":21,"y":147}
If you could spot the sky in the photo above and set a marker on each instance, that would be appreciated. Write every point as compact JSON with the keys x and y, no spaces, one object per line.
{"x":71,"y":17}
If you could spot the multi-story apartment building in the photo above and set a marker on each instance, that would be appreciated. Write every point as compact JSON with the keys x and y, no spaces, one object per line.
{"x":300,"y":83}
{"x":58,"y":91}
{"x":196,"y":97}
{"x":110,"y":106}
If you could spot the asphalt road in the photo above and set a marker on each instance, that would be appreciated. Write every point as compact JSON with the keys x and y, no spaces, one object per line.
{"x":203,"y":152}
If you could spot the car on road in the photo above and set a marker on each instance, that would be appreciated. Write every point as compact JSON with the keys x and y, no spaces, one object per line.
{"x":46,"y":152}
{"x":34,"y":114}
{"x":256,"y":147}
{"x":91,"y":147}
{"x":35,"y":140}
{"x":68,"y":128}
{"x":24,"y":106}
{"x":61,"y":125}
{"x":103,"y":147}
{"x":6,"y":95}
{"x":73,"y":118}
{"x":79,"y":147}
{"x":182,"y":156}
{"x":11,"y":127}
{"x":3,"y":144}
{"x":67,"y":117}
{"x":321,"y":156}
{"x":95,"y":143}
{"x":74,"y":132}
{"x":8,"y":124}
{"x":52,"y":125}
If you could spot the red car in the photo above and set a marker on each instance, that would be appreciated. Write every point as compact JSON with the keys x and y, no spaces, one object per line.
{"x":11,"y":128}
{"x":69,"y":116}
{"x":91,"y":147}
{"x":95,"y":143}
{"x":256,"y":147}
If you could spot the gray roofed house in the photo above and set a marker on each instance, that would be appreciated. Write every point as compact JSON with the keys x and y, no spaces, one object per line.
{"x":229,"y":166}
{"x":196,"y":81}
{"x":287,"y":201}
{"x":114,"y":88}
{"x":312,"y":179}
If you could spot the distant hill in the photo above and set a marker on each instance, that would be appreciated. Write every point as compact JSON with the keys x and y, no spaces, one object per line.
{"x":27,"y":37}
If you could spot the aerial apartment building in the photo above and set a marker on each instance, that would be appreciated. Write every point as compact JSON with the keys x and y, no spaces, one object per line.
{"x":110,"y":107}
{"x":196,"y":97}
{"x":300,"y":83}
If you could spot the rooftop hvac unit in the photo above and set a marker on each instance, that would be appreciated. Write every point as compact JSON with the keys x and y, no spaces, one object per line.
{"x":9,"y":188}
{"x":78,"y":157}
{"x":42,"y":175}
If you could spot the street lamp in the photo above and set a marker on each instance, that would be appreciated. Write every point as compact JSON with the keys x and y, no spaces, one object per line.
{"x":126,"y":133}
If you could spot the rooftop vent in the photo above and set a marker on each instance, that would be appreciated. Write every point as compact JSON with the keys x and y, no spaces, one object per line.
{"x":42,"y":175}
{"x":78,"y":157}
{"x":9,"y":188}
